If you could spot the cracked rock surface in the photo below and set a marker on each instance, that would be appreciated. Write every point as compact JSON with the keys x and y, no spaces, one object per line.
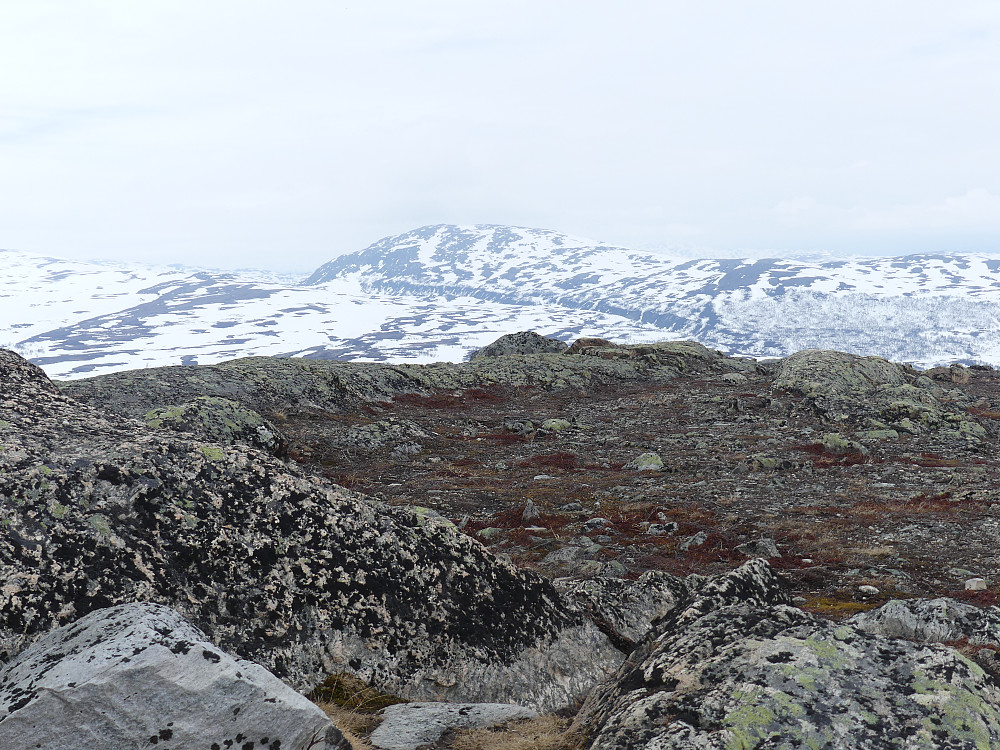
{"x":285,"y":569}
{"x":138,"y":675}
{"x":736,"y":667}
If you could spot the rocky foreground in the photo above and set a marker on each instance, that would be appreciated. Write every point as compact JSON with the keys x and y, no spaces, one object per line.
{"x":619,"y":533}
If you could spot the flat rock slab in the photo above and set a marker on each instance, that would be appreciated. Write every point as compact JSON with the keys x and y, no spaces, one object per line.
{"x":408,"y":726}
{"x":138,"y":675}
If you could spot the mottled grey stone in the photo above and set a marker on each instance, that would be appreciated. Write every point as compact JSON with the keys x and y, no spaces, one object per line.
{"x":733,"y":666}
{"x":409,"y":726}
{"x":138,"y":675}
{"x":289,"y":570}
{"x":523,"y":342}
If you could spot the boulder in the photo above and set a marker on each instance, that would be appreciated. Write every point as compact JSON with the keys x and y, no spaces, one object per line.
{"x":623,"y":609}
{"x":932,"y":621}
{"x":273,"y":565}
{"x":824,"y":374}
{"x":581,"y":345}
{"x":409,"y":726}
{"x":523,"y":342}
{"x":733,"y":666}
{"x":380,"y":434}
{"x":645,"y":462}
{"x":220,"y":420}
{"x":139,"y":675}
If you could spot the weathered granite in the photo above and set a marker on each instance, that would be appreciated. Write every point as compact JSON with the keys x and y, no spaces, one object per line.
{"x":293,"y":572}
{"x":138,"y":675}
{"x":735,"y":667}
{"x":409,"y":726}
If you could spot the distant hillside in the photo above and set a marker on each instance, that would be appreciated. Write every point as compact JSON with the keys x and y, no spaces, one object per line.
{"x":921,"y":308}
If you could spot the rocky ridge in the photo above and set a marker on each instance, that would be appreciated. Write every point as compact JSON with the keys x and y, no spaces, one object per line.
{"x":286,"y":569}
{"x":639,"y":477}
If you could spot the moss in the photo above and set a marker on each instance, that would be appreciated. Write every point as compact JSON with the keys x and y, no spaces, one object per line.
{"x":212,"y":452}
{"x":100,"y":524}
{"x":960,"y":711}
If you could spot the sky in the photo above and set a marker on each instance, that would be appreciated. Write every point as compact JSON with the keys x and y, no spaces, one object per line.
{"x":280,"y":135}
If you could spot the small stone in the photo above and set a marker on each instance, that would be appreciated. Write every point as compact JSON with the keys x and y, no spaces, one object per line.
{"x":542,"y":477}
{"x":489,"y":533}
{"x":571,"y":508}
{"x":693,"y":541}
{"x":867,"y":590}
{"x":762,"y":547}
{"x":596,"y":523}
{"x":975,"y":584}
{"x":645,"y":462}
{"x":408,"y":726}
{"x":556,"y":425}
{"x":530,"y":512}
{"x":662,"y":529}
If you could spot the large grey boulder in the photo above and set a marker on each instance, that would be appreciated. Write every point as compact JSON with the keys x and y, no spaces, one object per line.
{"x":409,"y":726}
{"x":823,"y":374}
{"x":522,"y":342}
{"x":871,"y":390}
{"x":932,"y":621}
{"x":734,"y":667}
{"x":138,"y":675}
{"x":288,"y":570}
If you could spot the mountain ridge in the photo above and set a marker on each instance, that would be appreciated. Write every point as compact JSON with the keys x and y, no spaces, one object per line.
{"x":419,"y":297}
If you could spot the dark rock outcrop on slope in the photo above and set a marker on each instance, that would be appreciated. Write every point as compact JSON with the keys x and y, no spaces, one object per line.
{"x":736,"y":667}
{"x":220,"y":420}
{"x":138,"y":675}
{"x":878,"y":394}
{"x":522,"y":342}
{"x":267,"y":384}
{"x":290,"y":571}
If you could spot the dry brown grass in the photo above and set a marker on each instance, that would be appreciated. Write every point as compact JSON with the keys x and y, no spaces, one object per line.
{"x":354,"y":724}
{"x":543,"y":733}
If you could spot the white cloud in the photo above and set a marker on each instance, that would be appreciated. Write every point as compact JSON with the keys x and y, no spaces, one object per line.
{"x":240,"y":133}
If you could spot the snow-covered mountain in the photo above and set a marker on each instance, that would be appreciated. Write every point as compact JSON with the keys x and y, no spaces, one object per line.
{"x":438,"y":292}
{"x":77,"y":319}
{"x":919,"y":308}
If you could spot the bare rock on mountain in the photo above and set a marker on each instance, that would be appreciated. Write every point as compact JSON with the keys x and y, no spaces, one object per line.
{"x":735,"y":666}
{"x":138,"y":675}
{"x":220,"y":420}
{"x":932,"y":621}
{"x":823,"y":374}
{"x":293,"y":572}
{"x":523,"y":342}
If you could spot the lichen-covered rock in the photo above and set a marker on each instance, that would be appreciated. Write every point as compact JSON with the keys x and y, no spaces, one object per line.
{"x":380,"y":434}
{"x":220,"y":420}
{"x":270,"y":384}
{"x":523,"y":342}
{"x":645,"y":462}
{"x":138,"y":675}
{"x":623,"y":609}
{"x":823,"y":374}
{"x":735,"y":667}
{"x":291,"y":571}
{"x":932,"y":621}
{"x":872,"y":390}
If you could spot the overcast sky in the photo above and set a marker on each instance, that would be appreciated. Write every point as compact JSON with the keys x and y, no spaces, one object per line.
{"x":279,"y":135}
